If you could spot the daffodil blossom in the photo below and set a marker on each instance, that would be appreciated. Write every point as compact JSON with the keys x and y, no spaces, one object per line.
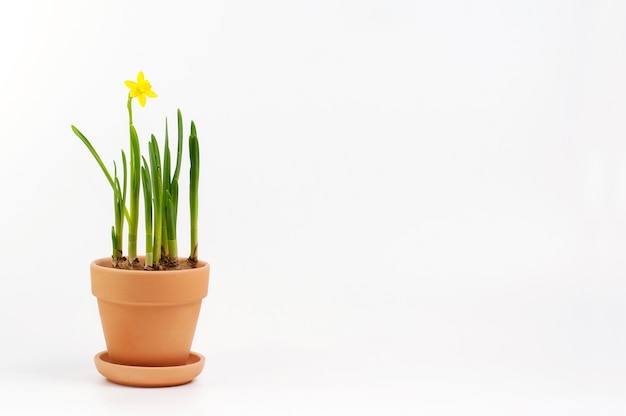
{"x":140,"y":89}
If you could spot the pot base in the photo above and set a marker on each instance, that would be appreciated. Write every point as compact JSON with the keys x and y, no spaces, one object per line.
{"x":138,"y":376}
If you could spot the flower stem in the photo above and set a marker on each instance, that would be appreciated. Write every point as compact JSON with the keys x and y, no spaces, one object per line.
{"x":135,"y":184}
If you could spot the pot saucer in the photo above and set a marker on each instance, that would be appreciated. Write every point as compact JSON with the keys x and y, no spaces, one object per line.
{"x":138,"y":376}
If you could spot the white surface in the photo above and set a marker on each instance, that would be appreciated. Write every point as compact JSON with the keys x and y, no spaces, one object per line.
{"x":409,"y":207}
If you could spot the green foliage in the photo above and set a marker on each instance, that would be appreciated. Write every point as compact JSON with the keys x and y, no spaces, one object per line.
{"x":152,"y":177}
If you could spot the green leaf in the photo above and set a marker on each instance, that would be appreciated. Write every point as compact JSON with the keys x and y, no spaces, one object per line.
{"x":125,"y":176}
{"x":179,"y":152}
{"x":94,"y":153}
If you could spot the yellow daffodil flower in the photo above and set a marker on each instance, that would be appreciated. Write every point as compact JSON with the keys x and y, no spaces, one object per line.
{"x":140,"y":89}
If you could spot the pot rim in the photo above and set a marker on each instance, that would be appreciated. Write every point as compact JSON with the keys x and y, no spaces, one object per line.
{"x":165,"y":287}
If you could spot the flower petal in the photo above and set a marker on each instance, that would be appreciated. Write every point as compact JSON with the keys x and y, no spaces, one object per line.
{"x":140,"y":77}
{"x":143,"y":86}
{"x":130,"y":84}
{"x":151,"y":94}
{"x":134,"y":93}
{"x":142,"y":100}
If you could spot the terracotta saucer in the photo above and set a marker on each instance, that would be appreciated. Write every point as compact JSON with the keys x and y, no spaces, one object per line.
{"x":137,"y":376}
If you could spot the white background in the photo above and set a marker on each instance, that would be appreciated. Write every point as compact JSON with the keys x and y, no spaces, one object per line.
{"x":409,"y":207}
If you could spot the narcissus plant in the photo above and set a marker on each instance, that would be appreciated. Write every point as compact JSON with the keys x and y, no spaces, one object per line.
{"x":152,"y":176}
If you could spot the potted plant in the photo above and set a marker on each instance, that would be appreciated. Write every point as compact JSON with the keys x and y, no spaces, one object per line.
{"x":149,"y":304}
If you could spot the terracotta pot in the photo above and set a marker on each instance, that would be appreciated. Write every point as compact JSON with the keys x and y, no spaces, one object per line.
{"x":149,"y":317}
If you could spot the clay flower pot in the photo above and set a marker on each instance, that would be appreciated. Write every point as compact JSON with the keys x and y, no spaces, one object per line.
{"x":148,"y":317}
